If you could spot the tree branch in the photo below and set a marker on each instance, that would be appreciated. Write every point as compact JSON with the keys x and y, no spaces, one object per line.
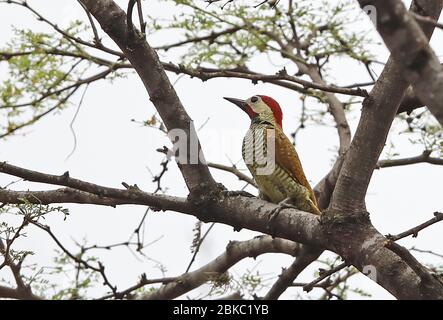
{"x":409,"y":47}
{"x":234,"y":171}
{"x":438,"y":216}
{"x":366,"y":246}
{"x":64,"y":195}
{"x":235,"y":252}
{"x":287,"y":277}
{"x":100,"y":195}
{"x":425,"y":157}
{"x":63,"y":33}
{"x":373,"y":128}
{"x":356,"y":241}
{"x":145,"y":61}
{"x":16,"y":293}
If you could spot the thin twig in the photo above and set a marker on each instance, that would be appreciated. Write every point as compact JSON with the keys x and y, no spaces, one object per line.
{"x":425,"y":157}
{"x":233,"y":170}
{"x":427,"y":251}
{"x":97,"y":39}
{"x":438,"y":216}
{"x":131,"y":4}
{"x":197,"y":249}
{"x":324,"y":275}
{"x":427,"y":20}
{"x":71,"y":125}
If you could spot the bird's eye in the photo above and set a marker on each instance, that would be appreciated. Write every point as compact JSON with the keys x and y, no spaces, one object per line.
{"x":254,"y":99}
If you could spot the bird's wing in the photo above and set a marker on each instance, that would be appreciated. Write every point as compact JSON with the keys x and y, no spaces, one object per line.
{"x":287,"y":158}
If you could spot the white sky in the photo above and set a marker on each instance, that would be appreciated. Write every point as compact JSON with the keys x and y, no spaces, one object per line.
{"x":112,"y":149}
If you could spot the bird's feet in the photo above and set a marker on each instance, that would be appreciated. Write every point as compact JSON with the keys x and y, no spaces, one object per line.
{"x":275,"y":212}
{"x":242,"y":193}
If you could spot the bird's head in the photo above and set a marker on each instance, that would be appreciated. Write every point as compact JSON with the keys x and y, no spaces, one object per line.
{"x":259,"y":105}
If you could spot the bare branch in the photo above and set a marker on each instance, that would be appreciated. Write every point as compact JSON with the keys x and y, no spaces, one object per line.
{"x":210,"y":38}
{"x":145,"y":61}
{"x":228,"y":207}
{"x":235,"y":251}
{"x":438,"y":216}
{"x":424,"y":274}
{"x":132,"y":195}
{"x":427,"y":20}
{"x":65,"y":34}
{"x":76,"y":258}
{"x":198,"y":246}
{"x":425,"y":157}
{"x":409,"y":46}
{"x":280,"y":79}
{"x":142,"y":283}
{"x":131,"y":4}
{"x":367,"y":245}
{"x":287,"y":277}
{"x":39,"y":116}
{"x":232,"y":169}
{"x":323,"y":275}
{"x":328,"y":286}
{"x":428,"y":252}
{"x":65,"y":195}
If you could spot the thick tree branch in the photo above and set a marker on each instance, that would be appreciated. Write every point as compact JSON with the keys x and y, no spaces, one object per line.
{"x":16,"y":293}
{"x":287,"y":277}
{"x":22,"y":291}
{"x":210,"y":38}
{"x":379,"y":110}
{"x":355,"y":239}
{"x":281,"y":78}
{"x":64,"y":195}
{"x":142,"y":283}
{"x":358,"y":243}
{"x":410,"y":49}
{"x":145,"y":61}
{"x":63,"y":33}
{"x":254,"y":216}
{"x":427,"y":20}
{"x":93,"y":193}
{"x":235,"y":252}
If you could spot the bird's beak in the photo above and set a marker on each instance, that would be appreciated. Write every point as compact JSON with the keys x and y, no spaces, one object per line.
{"x":238,"y":102}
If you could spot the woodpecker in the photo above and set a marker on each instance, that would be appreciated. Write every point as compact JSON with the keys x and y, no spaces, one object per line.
{"x":285,"y":183}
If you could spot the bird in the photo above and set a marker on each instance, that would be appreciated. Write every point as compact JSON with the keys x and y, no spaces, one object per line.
{"x":272,"y":159}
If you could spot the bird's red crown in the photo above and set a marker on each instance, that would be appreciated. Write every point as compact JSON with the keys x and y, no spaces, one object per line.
{"x":275,"y":107}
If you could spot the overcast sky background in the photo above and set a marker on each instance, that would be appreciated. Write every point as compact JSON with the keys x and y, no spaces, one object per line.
{"x":111,"y":149}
